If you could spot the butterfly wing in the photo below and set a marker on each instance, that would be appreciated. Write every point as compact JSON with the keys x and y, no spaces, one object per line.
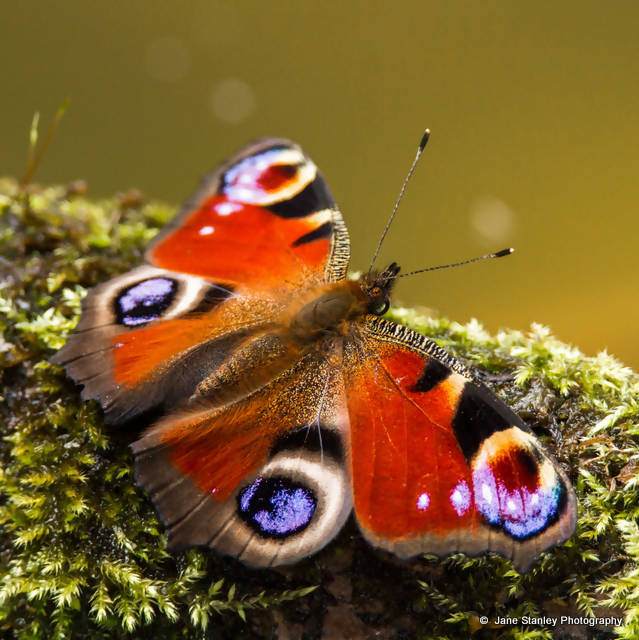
{"x":260,"y":228}
{"x":264,"y":478}
{"x":439,"y":463}
{"x":265,"y":218}
{"x":149,"y":337}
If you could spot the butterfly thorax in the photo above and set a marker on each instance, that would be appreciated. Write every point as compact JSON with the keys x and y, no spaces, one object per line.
{"x":335,"y":307}
{"x":328,"y":312}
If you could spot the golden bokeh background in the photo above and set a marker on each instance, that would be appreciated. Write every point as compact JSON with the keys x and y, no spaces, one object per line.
{"x":534,"y":110}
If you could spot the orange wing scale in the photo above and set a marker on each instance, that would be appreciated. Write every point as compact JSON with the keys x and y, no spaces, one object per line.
{"x":406,"y":459}
{"x":235,"y":447}
{"x":237,"y":242}
{"x":138,"y":354}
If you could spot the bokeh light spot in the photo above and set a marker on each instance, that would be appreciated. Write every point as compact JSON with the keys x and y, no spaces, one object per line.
{"x":232,"y":100}
{"x":492,"y":219}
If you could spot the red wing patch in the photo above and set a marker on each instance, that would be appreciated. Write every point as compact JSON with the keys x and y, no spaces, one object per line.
{"x":407,"y":462}
{"x":265,"y":219}
{"x":236,"y":445}
{"x":245,"y":244}
{"x":138,"y":354}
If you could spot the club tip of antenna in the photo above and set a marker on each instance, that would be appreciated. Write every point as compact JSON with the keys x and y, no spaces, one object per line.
{"x":504,"y":252}
{"x":424,"y":140}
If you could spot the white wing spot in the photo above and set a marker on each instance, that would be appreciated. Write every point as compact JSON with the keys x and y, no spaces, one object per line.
{"x":460,"y":498}
{"x":226,"y":208}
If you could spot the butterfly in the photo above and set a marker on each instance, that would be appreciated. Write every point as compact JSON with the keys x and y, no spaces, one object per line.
{"x":288,"y":401}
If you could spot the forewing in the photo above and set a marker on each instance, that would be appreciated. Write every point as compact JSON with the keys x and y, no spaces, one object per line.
{"x":263,"y":479}
{"x":263,"y":220}
{"x":439,"y":463}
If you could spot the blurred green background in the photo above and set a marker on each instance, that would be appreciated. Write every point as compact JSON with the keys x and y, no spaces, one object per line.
{"x":534,"y":111}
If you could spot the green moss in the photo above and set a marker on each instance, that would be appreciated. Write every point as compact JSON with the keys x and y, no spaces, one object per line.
{"x":83,"y":555}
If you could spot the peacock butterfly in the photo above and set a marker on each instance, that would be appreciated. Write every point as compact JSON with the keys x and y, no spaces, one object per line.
{"x":288,"y":399}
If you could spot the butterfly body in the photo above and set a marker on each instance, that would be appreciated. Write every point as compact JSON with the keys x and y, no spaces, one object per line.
{"x":289,"y":401}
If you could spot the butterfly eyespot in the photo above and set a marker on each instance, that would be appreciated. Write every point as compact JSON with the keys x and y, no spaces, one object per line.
{"x":275,"y":176}
{"x":276,"y":507}
{"x":144,"y":301}
{"x":270,"y":176}
{"x":524,"y":505}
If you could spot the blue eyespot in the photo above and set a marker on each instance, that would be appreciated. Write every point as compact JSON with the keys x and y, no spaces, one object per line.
{"x":520,"y":512}
{"x":276,"y":507}
{"x":145,"y":301}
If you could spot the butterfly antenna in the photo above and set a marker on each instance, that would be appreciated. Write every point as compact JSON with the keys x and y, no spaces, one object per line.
{"x":420,"y":149}
{"x":498,"y":254}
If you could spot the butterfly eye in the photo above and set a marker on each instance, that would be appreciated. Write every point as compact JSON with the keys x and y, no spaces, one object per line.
{"x":378,"y":301}
{"x":276,"y":507}
{"x":383,"y":309}
{"x":144,"y":301}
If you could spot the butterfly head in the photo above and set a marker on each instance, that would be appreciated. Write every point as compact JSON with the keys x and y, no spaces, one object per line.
{"x":377,"y":286}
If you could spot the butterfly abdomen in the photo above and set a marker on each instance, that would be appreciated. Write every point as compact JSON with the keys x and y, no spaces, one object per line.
{"x":257,"y":361}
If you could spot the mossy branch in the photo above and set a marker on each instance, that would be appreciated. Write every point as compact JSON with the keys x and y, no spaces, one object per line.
{"x":83,"y":555}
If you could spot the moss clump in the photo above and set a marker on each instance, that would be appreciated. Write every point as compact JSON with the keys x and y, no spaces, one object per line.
{"x":82,"y":553}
